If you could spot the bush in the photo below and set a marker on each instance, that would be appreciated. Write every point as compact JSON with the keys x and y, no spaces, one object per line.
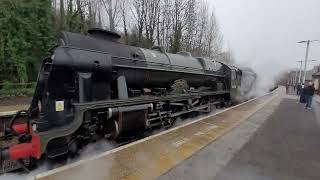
{"x":6,"y":86}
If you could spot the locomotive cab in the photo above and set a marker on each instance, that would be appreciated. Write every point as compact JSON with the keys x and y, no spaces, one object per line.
{"x":234,"y":80}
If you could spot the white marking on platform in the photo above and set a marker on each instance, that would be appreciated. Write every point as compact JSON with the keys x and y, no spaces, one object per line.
{"x":199,"y":133}
{"x":211,"y":127}
{"x":179,"y":143}
{"x":206,"y":122}
{"x":8,"y":113}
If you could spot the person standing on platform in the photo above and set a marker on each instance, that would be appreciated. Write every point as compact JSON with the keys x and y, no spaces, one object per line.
{"x":309,"y":92}
{"x":302,"y":97}
{"x":299,"y":87}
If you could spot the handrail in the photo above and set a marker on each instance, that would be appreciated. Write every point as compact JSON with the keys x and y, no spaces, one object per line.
{"x":161,"y":64}
{"x":130,"y":59}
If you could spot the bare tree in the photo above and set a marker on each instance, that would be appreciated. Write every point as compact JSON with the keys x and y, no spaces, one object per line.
{"x":174,"y":24}
{"x":62,"y":15}
{"x":151,"y":9}
{"x":138,"y":12}
{"x":165,"y":23}
{"x":112,"y":9}
{"x":123,"y":11}
{"x":92,"y":10}
{"x":81,"y":5}
{"x":179,"y":19}
{"x":202,"y":23}
{"x":190,"y":24}
{"x":158,"y":24}
{"x":214,"y":40}
{"x":226,"y":57}
{"x":99,"y":17}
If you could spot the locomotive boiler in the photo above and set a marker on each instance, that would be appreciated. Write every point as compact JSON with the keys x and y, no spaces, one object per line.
{"x":92,"y":85}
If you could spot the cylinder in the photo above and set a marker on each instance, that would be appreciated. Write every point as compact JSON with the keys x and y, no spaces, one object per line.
{"x":129,"y":118}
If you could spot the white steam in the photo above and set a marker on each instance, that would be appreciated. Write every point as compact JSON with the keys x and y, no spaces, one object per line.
{"x":254,"y":86}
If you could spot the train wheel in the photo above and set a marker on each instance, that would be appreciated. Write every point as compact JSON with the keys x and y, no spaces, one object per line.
{"x":74,"y":149}
{"x":115,"y":130}
{"x":28,"y":163}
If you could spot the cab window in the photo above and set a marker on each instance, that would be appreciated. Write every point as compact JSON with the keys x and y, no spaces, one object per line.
{"x":233,"y":75}
{"x":218,"y":66}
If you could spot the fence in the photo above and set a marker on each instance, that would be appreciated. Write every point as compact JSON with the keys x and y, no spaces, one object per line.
{"x":16,"y":89}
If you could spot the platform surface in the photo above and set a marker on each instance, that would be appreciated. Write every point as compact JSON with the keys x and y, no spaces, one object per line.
{"x":9,"y":110}
{"x":285,"y":147}
{"x":151,"y":157}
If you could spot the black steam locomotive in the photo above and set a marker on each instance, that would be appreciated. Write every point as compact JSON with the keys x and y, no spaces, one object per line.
{"x":94,"y":85}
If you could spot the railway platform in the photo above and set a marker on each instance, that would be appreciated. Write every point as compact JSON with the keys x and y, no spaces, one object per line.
{"x":285,"y":147}
{"x":12,"y":109}
{"x":270,"y":137}
{"x":153,"y":157}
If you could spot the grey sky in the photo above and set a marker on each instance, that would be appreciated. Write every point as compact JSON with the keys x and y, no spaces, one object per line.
{"x":264,"y":33}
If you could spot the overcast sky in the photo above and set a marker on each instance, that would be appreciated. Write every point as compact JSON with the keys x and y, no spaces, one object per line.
{"x":264,"y":33}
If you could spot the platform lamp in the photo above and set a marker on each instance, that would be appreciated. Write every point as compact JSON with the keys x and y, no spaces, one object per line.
{"x":300,"y":70}
{"x":306,"y":58}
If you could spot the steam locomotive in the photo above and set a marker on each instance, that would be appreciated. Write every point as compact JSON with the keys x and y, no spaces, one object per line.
{"x":93,"y":85}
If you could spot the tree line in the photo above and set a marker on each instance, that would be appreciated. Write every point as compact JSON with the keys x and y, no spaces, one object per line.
{"x":30,"y":28}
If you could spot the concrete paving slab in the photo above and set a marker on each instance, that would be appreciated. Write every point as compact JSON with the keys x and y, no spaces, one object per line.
{"x":285,"y":148}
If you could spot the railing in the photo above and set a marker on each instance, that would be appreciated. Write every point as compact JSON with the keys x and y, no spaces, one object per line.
{"x":18,"y":85}
{"x":13,"y":89}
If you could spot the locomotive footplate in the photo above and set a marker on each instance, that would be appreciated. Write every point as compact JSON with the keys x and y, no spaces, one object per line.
{"x":145,"y":100}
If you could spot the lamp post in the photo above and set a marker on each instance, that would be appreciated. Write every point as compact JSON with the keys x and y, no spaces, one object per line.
{"x":306,"y":58}
{"x":300,"y":69}
{"x":295,"y":77}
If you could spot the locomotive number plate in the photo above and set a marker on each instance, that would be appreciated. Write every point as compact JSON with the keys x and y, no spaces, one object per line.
{"x":59,"y":105}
